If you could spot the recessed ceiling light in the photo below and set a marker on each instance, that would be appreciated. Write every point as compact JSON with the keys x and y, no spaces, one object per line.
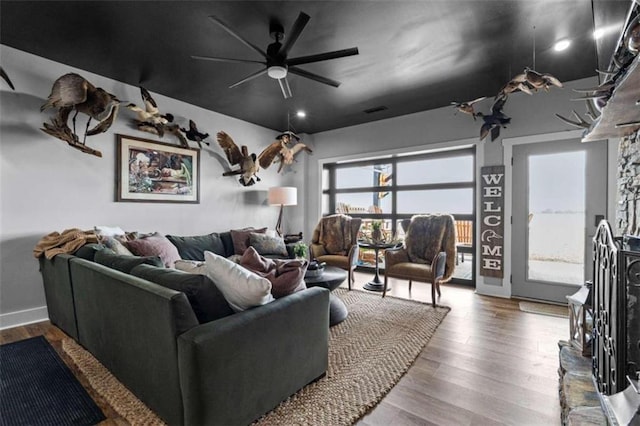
{"x":301,"y":114}
{"x":561,"y":45}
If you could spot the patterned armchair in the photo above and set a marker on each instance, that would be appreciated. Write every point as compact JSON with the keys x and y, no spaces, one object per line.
{"x":428,"y":254}
{"x":335,"y":241}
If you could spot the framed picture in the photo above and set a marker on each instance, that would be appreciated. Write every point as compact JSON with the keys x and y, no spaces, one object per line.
{"x":149,"y":171}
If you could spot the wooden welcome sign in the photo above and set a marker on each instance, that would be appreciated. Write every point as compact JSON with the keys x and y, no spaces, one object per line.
{"x":492,"y":221}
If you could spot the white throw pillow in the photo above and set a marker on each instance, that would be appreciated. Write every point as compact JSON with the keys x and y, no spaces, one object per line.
{"x":191,"y":266}
{"x":108,"y":231}
{"x":242,"y":288}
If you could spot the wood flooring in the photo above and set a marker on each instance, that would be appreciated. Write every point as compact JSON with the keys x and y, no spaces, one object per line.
{"x":487,"y":364}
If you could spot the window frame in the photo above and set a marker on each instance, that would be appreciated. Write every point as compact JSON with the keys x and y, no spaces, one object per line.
{"x":394,"y":188}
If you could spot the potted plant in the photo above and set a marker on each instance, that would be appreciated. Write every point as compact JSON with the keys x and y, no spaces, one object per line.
{"x":300,"y":250}
{"x":376,"y":233}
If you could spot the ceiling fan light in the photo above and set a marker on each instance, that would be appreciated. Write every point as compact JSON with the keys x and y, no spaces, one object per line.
{"x":561,"y":45}
{"x":277,"y":72}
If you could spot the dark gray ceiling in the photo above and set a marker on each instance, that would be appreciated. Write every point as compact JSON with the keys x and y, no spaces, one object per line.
{"x":414,"y":55}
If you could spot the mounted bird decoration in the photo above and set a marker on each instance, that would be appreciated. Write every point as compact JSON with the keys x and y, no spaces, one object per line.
{"x":248,"y":163}
{"x":528,"y":82}
{"x":149,"y":119}
{"x":280,"y":151}
{"x":495,"y":120}
{"x":467,"y":107}
{"x":72,"y":92}
{"x":193,"y":134}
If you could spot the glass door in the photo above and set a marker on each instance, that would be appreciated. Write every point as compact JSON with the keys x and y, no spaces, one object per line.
{"x":559,"y":195}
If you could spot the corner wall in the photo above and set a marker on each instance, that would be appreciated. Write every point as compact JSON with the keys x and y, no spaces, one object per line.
{"x":47,"y":186}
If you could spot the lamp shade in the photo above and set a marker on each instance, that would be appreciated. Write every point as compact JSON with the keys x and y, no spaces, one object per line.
{"x":283,"y":196}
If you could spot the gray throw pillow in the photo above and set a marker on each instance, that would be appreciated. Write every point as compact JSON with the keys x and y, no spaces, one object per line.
{"x":206,"y":300}
{"x":265,"y":244}
{"x":88,"y":251}
{"x":124,"y":263}
{"x":193,"y":248}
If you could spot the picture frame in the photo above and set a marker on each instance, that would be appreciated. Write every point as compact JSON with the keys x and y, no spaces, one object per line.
{"x":155,"y":172}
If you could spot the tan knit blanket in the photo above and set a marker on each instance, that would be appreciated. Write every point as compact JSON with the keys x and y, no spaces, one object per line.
{"x":68,"y":242}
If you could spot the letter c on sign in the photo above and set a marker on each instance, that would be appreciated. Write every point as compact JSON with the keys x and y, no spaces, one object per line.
{"x":492,"y":220}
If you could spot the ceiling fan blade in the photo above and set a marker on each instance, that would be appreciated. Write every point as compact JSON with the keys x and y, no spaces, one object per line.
{"x":322,"y":56}
{"x":284,"y":86}
{"x":217,"y":59}
{"x":313,"y":76}
{"x":296,"y":30}
{"x":249,"y":77}
{"x":238,"y":36}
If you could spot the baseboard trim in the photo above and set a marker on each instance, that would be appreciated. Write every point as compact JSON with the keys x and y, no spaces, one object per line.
{"x":27,"y":316}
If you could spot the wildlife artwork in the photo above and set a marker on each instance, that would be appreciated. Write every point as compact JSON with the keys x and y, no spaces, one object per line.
{"x":193,"y":134}
{"x":149,"y":119}
{"x":72,"y":92}
{"x":528,"y":82}
{"x":281,"y":151}
{"x":248,"y":163}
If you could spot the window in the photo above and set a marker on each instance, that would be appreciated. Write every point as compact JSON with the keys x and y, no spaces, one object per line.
{"x":396,"y":188}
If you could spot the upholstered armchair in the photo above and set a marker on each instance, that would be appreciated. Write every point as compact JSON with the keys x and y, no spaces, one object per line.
{"x":428,"y":254}
{"x":335,"y":241}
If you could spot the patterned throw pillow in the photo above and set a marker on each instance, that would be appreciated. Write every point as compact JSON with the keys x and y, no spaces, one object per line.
{"x":241,"y":237}
{"x":265,"y":244}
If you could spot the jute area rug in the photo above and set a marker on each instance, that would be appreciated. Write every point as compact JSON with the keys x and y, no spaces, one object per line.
{"x":368,"y":354}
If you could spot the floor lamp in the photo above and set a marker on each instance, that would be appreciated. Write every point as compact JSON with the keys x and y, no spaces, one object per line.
{"x":282,"y":196}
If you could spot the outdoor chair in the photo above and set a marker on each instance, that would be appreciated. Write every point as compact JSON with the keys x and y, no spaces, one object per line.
{"x":335,"y":241}
{"x":464,"y":238}
{"x":428,"y":254}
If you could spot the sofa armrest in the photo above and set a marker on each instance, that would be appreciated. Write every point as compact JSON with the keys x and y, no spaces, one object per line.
{"x":237,"y":368}
{"x":395,"y":255}
{"x":317,"y":250}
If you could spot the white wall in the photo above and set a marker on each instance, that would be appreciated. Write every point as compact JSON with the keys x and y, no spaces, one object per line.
{"x":47,"y":186}
{"x":531,"y":115}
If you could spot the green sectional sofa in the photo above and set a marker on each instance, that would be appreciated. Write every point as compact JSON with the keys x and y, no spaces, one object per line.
{"x":171,"y":338}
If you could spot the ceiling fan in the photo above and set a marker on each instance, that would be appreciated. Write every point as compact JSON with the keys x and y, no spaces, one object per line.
{"x":277,"y":65}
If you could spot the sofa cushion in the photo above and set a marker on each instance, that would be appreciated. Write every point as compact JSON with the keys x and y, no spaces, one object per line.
{"x":286,"y":276}
{"x":193,"y":248}
{"x":88,"y":251}
{"x":242,"y":288}
{"x":241,"y":238}
{"x":124,"y":263}
{"x":207,"y":301}
{"x":155,"y":245}
{"x":268,"y":245}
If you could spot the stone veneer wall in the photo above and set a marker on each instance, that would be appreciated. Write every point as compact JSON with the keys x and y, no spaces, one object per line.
{"x":628,"y":199}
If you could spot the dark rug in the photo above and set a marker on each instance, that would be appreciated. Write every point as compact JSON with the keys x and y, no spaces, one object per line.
{"x":37,"y":388}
